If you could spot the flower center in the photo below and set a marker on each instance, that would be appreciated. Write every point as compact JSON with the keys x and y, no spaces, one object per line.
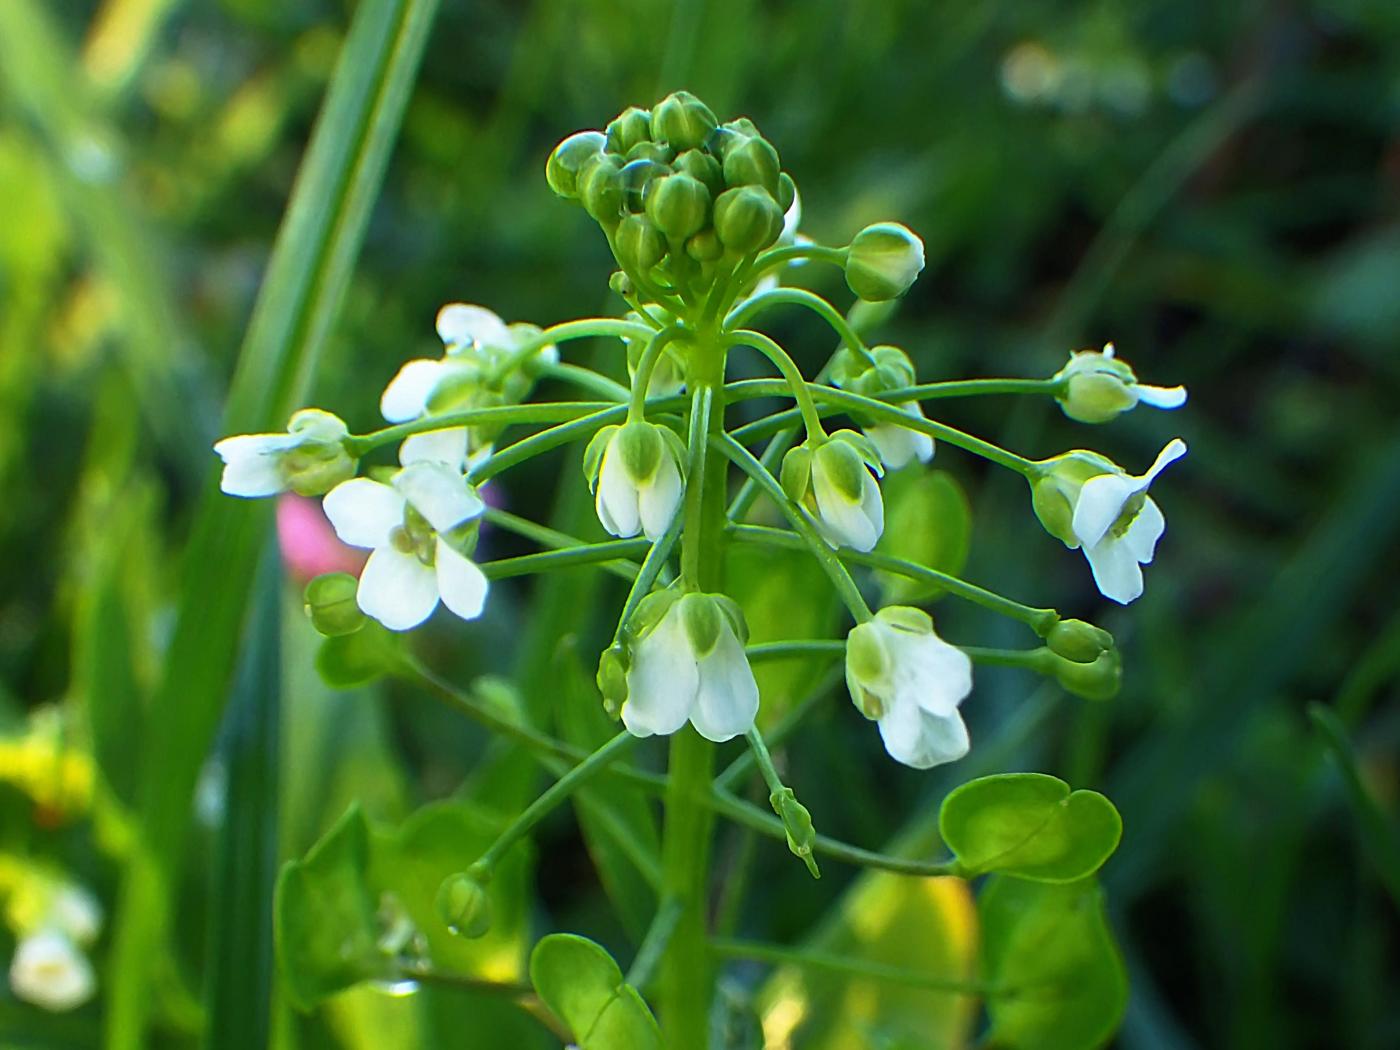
{"x":1131,"y":509}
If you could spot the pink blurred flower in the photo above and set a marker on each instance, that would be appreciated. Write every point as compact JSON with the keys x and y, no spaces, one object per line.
{"x":309,"y":545}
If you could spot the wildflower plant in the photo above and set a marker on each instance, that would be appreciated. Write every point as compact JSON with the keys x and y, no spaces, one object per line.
{"x":704,"y":223}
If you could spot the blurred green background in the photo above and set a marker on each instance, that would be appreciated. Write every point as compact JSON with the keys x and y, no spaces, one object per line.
{"x":1213,"y":187}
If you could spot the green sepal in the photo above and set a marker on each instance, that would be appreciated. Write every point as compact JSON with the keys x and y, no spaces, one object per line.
{"x":747,"y":219}
{"x":843,"y":465}
{"x":601,"y":189}
{"x":593,"y":454}
{"x":650,"y":610}
{"x":1080,"y":642}
{"x":701,"y":617}
{"x":638,"y":177}
{"x":702,"y":167}
{"x":797,"y":823}
{"x":1030,"y":825}
{"x":678,"y":205}
{"x":734,"y":613}
{"x":640,"y":245}
{"x":675,"y":444}
{"x":463,"y":905}
{"x":864,"y":447}
{"x":796,"y":473}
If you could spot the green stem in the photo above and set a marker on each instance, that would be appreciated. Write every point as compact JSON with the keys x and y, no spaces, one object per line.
{"x":775,"y":257}
{"x":653,"y":945}
{"x":845,"y":964}
{"x":527,"y":448}
{"x":608,"y":553}
{"x":807,"y":535}
{"x":584,"y":378}
{"x":584,"y":328}
{"x":1039,"y":620}
{"x":787,"y":725}
{"x":799,"y":297}
{"x":359,"y":445}
{"x":554,"y":796}
{"x":816,"y":433}
{"x":800,"y":647}
{"x":641,"y":379}
{"x":651,"y":568}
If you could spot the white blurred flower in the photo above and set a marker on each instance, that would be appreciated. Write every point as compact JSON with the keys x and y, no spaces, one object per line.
{"x":49,"y":970}
{"x":74,"y":911}
{"x":309,"y":458}
{"x":412,"y":525}
{"x":690,"y":664}
{"x":904,"y":676}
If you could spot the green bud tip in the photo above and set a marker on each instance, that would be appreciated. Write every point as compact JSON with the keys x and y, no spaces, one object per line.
{"x":330,"y":604}
{"x":562,"y":169}
{"x":463,"y":906}
{"x":747,"y":219}
{"x":601,"y":189}
{"x":682,"y":120}
{"x":678,"y":205}
{"x":639,"y":243}
{"x":883,"y":261}
{"x":1078,"y":641}
{"x":753,"y":162}
{"x":631,"y":126}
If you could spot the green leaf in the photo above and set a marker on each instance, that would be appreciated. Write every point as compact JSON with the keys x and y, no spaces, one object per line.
{"x":927,"y":521}
{"x":324,"y":915}
{"x":582,"y":984}
{"x":1030,"y":825}
{"x":1058,"y":981}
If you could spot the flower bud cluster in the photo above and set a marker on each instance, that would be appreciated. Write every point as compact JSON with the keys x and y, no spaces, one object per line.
{"x":677,"y":192}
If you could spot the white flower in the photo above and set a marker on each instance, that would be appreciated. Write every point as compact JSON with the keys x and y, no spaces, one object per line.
{"x":1098,"y":387}
{"x":899,"y":446}
{"x":635,"y":473}
{"x":478,"y":344}
{"x":412,"y":525}
{"x":835,"y":484}
{"x":903,"y":675}
{"x":48,"y":970}
{"x":309,"y":458}
{"x":1119,"y":525}
{"x":75,"y":912}
{"x":689,"y":664}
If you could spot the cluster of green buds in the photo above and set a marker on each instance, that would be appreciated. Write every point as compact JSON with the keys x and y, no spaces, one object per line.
{"x":679,"y":195}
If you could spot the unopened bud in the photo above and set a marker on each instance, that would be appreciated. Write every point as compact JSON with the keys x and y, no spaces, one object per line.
{"x":1078,"y":641}
{"x":678,"y":205}
{"x":797,"y":822}
{"x":319,"y":463}
{"x":640,"y":245}
{"x":628,"y":128}
{"x":883,"y":261}
{"x":637,"y":176}
{"x":747,"y":219}
{"x":704,"y":247}
{"x":330,"y":604}
{"x":682,"y":120}
{"x":702,"y":167}
{"x":463,"y":905}
{"x":567,"y":160}
{"x":657,"y":152}
{"x":601,"y":189}
{"x":1098,"y":680}
{"x":796,"y":473}
{"x":787,"y":192}
{"x":612,"y":678}
{"x":753,"y":162}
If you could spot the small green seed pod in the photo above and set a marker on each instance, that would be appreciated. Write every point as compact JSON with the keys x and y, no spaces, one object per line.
{"x":628,"y":128}
{"x":639,"y":243}
{"x":564,"y":164}
{"x":678,"y":205}
{"x":330,"y":604}
{"x":753,"y":163}
{"x":602,"y":191}
{"x":682,"y":120}
{"x":747,"y":219}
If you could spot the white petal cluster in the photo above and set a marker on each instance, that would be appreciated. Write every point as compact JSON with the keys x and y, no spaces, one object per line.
{"x":910,"y":681}
{"x":1098,"y":386}
{"x":474,"y":372}
{"x":309,"y":458}
{"x":413,"y":527}
{"x":689,"y":664}
{"x":49,"y":967}
{"x":635,"y":474}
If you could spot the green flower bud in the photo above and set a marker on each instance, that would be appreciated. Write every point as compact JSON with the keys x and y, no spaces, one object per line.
{"x":1055,"y":489}
{"x":463,"y":905}
{"x":883,"y":261}
{"x":630,"y":127}
{"x":892,"y":370}
{"x":678,"y":204}
{"x":330,"y":604}
{"x":620,"y":283}
{"x":1098,"y":680}
{"x":796,"y":473}
{"x":705,"y":247}
{"x":727,"y":136}
{"x":637,"y":177}
{"x":564,"y":164}
{"x":658,"y":152}
{"x":753,"y":162}
{"x":640,"y":244}
{"x":601,"y":189}
{"x":747,"y":219}
{"x":682,"y":120}
{"x":787,"y":191}
{"x":701,"y":166}
{"x":612,"y":678}
{"x":1078,"y":641}
{"x":319,"y":463}
{"x":797,"y":822}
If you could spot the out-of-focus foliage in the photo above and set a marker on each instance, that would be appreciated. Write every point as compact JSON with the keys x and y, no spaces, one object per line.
{"x":1216,"y":188}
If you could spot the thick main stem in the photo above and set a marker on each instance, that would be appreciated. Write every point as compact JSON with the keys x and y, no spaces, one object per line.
{"x":687,"y":972}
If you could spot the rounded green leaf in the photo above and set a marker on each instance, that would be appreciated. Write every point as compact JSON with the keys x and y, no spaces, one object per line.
{"x":579,"y":981}
{"x":1031,"y":825}
{"x":1057,"y":981}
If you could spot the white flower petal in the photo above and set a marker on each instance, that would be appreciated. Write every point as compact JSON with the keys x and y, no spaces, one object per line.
{"x":49,"y":971}
{"x":922,"y":740}
{"x":1116,"y":570}
{"x":848,"y":524}
{"x":616,"y":500}
{"x":436,"y":446}
{"x":253,"y":463}
{"x":899,"y":446}
{"x":727,"y":700}
{"x":461,"y":324}
{"x":928,"y":672}
{"x":75,"y":912}
{"x":1171,"y":452}
{"x":663,"y":680}
{"x":397,"y":589}
{"x":660,"y":499}
{"x":1101,"y":501}
{"x":1146,"y":529}
{"x":406,"y":396}
{"x":792,"y":218}
{"x":1161,"y":396}
{"x":440,"y":493}
{"x":463,"y":586}
{"x":363,"y":512}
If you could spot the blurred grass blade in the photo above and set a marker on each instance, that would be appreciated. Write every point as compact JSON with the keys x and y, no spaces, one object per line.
{"x":311,"y":264}
{"x":238,"y":983}
{"x":1378,"y":835}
